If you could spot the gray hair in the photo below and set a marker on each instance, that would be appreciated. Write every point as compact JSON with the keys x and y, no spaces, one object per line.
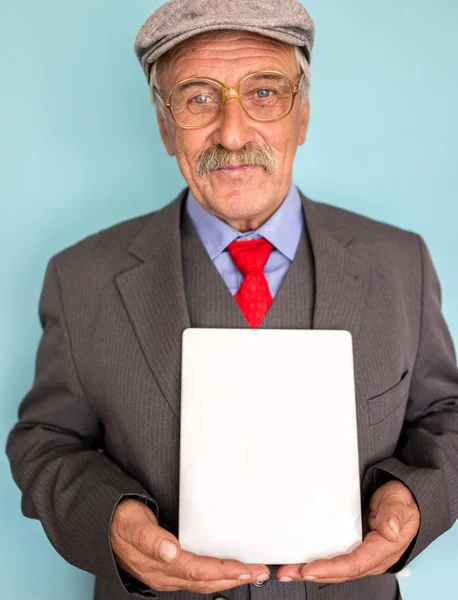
{"x":155,"y":83}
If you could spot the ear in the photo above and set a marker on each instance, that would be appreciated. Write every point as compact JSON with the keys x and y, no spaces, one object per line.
{"x":304,"y":122}
{"x":165,"y":130}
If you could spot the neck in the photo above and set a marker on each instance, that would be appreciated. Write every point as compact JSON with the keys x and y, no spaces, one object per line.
{"x":250,"y":222}
{"x":253,"y":223}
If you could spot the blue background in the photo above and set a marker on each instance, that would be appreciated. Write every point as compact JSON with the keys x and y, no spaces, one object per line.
{"x":80,"y":150}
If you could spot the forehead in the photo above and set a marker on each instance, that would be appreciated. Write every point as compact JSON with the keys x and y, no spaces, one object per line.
{"x":228,"y":56}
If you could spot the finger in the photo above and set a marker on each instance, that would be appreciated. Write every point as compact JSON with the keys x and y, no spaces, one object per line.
{"x":136,"y":524}
{"x":379,"y":570}
{"x":153,"y":541}
{"x":371,"y":554}
{"x":391,"y":508}
{"x":371,"y":521}
{"x":212,"y":587}
{"x":163,"y":577}
{"x":287,"y":573}
{"x":394,"y":518}
{"x":166,"y":583}
{"x":194,"y":567}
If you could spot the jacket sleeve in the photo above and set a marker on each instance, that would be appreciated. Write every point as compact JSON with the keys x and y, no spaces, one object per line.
{"x":426,"y":457}
{"x":56,"y":454}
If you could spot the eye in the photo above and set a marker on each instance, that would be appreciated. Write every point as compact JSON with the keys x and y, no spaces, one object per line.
{"x":201,"y":99}
{"x":264,"y":93}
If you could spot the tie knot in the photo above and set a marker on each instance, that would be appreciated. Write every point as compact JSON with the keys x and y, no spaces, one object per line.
{"x":250,"y":256}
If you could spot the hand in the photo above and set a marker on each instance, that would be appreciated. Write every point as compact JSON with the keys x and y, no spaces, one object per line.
{"x":153,"y":555}
{"x":393,"y":521}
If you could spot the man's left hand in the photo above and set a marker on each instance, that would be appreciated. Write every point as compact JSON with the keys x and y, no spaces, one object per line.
{"x":393,"y":521}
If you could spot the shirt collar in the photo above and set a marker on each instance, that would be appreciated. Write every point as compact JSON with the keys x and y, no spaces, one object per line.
{"x":283,"y":229}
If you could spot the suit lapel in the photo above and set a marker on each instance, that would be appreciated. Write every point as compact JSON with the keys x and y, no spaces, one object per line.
{"x":342,"y":275}
{"x":153,"y":294}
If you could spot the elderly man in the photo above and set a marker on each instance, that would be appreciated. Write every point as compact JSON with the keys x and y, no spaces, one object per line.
{"x":96,"y":448}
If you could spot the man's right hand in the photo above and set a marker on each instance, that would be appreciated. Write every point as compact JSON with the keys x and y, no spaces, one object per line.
{"x":154,"y":556}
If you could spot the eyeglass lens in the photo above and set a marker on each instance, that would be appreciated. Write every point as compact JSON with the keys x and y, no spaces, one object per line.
{"x":264,"y":95}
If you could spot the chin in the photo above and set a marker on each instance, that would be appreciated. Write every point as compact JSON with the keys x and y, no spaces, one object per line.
{"x":241,"y":208}
{"x":252,"y":191}
{"x":240,"y":200}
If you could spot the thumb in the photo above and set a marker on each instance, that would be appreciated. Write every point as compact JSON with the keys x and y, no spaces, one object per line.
{"x":168,"y":550}
{"x":389,"y":525}
{"x":157,"y":543}
{"x":138,"y":526}
{"x":390,"y":515}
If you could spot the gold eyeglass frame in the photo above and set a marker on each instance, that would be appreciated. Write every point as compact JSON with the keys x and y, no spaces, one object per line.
{"x":228,"y":93}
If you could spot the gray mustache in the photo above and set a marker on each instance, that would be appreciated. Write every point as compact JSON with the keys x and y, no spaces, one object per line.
{"x":217,"y":157}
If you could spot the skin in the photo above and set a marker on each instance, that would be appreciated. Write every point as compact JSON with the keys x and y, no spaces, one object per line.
{"x":391,"y":523}
{"x":245,"y":200}
{"x":138,"y":543}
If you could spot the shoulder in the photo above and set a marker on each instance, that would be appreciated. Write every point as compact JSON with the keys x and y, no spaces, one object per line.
{"x":105,"y":249}
{"x":365,"y":229}
{"x":107,"y":252}
{"x":378,"y":238}
{"x":392,"y":250}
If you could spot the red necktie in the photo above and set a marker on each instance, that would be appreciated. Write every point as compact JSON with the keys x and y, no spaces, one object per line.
{"x":253,"y":297}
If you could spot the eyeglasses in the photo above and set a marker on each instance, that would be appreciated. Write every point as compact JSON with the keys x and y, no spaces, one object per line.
{"x":264,"y":96}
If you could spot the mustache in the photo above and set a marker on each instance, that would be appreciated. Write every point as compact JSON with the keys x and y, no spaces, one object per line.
{"x":217,"y":157}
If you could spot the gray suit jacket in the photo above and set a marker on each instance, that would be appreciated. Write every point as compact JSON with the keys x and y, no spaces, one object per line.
{"x":102,"y":418}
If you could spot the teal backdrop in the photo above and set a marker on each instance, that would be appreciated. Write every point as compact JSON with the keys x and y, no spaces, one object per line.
{"x":80,"y":150}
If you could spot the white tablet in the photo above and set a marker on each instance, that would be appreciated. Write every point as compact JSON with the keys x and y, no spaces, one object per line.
{"x":269,"y":452}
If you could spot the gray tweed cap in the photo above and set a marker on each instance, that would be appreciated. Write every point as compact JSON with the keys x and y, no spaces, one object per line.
{"x":178,"y":20}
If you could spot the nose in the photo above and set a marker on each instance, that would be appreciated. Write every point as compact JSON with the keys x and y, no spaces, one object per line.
{"x":234,"y":129}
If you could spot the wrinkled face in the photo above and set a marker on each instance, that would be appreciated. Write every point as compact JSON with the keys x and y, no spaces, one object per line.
{"x":244,"y":197}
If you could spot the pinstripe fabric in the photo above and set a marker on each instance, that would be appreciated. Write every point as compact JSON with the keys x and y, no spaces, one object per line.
{"x":113,"y":308}
{"x":211,"y":304}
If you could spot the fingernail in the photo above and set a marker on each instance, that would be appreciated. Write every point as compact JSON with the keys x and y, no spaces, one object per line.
{"x":245,"y":576}
{"x":263,"y":577}
{"x":309,"y":577}
{"x":285,"y":579}
{"x":167,"y":551}
{"x":393,"y":523}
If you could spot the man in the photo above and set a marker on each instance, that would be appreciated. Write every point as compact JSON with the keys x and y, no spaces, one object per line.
{"x":96,"y":448}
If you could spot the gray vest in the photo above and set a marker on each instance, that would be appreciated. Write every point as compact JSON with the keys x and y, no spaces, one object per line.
{"x":211,"y":304}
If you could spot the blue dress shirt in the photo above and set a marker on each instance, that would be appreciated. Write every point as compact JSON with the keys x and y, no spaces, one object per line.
{"x":283,"y":230}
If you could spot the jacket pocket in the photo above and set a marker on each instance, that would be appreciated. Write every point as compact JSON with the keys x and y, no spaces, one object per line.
{"x":380,"y":407}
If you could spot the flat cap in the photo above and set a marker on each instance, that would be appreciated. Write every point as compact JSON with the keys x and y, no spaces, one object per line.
{"x":178,"y":20}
